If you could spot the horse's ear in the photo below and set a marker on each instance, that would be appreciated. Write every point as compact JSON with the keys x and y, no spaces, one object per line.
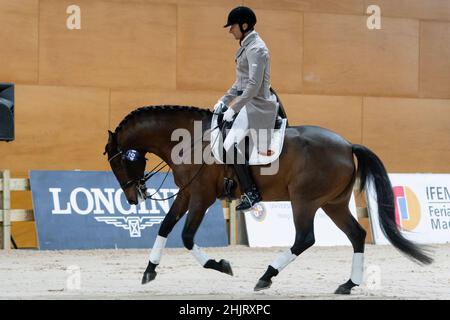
{"x":110,"y":135}
{"x":110,"y":141}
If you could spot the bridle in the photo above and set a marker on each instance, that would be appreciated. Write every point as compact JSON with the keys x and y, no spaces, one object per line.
{"x":117,"y":154}
{"x":140,"y":182}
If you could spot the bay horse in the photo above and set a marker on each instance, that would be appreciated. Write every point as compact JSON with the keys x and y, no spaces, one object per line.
{"x":316,"y":170}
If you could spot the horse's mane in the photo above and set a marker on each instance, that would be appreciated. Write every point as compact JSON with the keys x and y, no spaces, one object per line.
{"x":162,"y":108}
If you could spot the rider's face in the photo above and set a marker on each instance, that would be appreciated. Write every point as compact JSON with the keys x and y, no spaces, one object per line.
{"x":234,"y":29}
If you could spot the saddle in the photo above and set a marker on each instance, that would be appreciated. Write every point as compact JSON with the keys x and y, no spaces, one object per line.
{"x":218,"y":133}
{"x":281,"y":113}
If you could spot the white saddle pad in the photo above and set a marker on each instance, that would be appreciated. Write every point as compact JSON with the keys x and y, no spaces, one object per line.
{"x":217,"y":143}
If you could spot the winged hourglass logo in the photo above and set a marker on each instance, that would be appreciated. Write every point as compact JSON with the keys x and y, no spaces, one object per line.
{"x":133,"y":224}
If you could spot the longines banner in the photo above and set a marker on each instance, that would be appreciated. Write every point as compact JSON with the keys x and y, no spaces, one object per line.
{"x":422,"y":208}
{"x":270,"y":224}
{"x":88,"y":210}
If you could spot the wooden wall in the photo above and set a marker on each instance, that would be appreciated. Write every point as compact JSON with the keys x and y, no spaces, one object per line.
{"x":388,"y":89}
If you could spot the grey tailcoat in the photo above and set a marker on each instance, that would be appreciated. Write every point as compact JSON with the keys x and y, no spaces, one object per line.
{"x":253,"y":80}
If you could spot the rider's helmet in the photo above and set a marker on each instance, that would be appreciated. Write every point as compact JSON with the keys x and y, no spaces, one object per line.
{"x":241,"y":15}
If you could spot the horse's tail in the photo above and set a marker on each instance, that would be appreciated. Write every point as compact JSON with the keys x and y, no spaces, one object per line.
{"x":371,"y":168}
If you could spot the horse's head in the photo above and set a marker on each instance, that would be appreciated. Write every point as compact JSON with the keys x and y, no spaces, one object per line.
{"x":128,"y":166}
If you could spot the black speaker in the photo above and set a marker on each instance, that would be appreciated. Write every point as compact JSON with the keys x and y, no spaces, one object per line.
{"x":6,"y":111}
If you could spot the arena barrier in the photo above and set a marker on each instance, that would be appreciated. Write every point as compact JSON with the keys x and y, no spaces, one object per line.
{"x":234,"y":220}
{"x":8,"y":215}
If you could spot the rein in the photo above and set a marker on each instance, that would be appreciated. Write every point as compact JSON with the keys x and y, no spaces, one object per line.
{"x":141,"y":187}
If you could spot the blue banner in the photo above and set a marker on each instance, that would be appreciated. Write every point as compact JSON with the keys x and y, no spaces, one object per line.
{"x":88,"y":210}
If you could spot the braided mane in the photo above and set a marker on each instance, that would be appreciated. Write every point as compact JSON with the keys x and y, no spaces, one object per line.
{"x":162,"y":108}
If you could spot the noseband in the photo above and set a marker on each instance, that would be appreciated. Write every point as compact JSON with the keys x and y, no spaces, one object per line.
{"x":116,"y":155}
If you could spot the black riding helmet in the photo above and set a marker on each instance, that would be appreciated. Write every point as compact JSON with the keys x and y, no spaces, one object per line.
{"x":241,"y":15}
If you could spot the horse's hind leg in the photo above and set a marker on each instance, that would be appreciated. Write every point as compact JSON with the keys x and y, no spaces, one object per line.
{"x":342,"y":217}
{"x":176,"y":212}
{"x":304,"y":213}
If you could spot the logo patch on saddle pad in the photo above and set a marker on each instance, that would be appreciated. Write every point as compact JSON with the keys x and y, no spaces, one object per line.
{"x":258,"y":212}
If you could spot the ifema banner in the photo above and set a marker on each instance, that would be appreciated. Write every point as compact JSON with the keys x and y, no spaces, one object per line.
{"x":422,"y":207}
{"x":276,"y":218}
{"x":88,"y":210}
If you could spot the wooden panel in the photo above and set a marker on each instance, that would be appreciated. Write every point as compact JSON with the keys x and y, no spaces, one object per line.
{"x":58,"y":128}
{"x":229,"y":4}
{"x":435,"y":59}
{"x":418,"y":9}
{"x":325,"y":6}
{"x":21,"y":200}
{"x":409,"y":135}
{"x":24,"y":234}
{"x":282,"y":31}
{"x":207,"y":62}
{"x":210,"y":3}
{"x":205,"y":50}
{"x":340,"y":114}
{"x":342,"y":56}
{"x":120,"y":44}
{"x":19,"y":34}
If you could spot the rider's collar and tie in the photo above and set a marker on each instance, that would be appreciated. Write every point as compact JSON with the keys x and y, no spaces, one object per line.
{"x":245,"y":42}
{"x":248,"y":37}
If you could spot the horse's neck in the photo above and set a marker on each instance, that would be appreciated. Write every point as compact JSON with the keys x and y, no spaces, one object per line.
{"x":162,"y":141}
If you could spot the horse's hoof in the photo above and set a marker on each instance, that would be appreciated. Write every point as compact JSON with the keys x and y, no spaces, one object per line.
{"x":148,"y":276}
{"x":343,"y":289}
{"x":262,"y":284}
{"x":226,"y":267}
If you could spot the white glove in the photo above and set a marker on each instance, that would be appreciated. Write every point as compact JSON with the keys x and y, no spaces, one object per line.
{"x":219,"y":105}
{"x":228,"y":115}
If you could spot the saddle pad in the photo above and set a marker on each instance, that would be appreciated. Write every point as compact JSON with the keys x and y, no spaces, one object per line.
{"x":255,"y":158}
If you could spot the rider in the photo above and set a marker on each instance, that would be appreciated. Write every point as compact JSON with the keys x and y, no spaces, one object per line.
{"x":250,"y":97}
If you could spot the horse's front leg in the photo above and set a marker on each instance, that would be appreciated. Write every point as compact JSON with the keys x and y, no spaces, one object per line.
{"x":176,"y":212}
{"x":197,"y":209}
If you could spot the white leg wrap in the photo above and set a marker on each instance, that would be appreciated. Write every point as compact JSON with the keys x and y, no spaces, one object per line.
{"x":283,"y":260}
{"x":357,"y":268}
{"x":201,"y":257}
{"x":158,"y":246}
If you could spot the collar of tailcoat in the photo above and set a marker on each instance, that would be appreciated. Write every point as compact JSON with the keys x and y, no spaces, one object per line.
{"x":248,"y":38}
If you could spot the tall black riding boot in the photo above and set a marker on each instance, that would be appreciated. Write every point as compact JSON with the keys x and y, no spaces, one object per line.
{"x":251,"y":195}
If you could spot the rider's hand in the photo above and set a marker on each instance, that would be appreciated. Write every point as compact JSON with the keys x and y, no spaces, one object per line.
{"x":219,"y":105}
{"x":228,"y":115}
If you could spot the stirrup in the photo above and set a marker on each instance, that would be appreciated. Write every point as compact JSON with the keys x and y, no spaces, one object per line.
{"x":248,"y":200}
